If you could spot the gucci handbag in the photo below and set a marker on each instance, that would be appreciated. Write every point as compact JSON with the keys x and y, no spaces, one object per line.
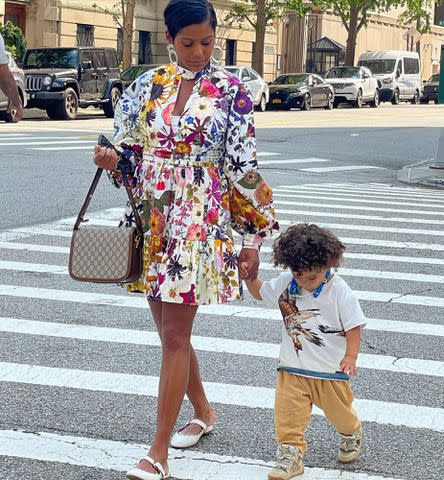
{"x":106,"y":254}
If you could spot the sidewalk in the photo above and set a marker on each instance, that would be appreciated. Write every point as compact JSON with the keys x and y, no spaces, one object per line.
{"x":423,"y":175}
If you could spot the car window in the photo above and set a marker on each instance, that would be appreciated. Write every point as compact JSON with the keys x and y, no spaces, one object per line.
{"x":111,"y":59}
{"x":51,"y":58}
{"x":129,"y":74}
{"x":411,"y":66}
{"x":379,"y":66}
{"x":289,"y":79}
{"x":86,"y":56}
{"x":99,"y":59}
{"x":253,"y":74}
{"x":399,"y":66}
{"x":343,"y":72}
{"x":245,"y":75}
{"x":434,"y":78}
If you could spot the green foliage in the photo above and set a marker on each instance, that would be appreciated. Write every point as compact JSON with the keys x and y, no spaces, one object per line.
{"x":15,"y":42}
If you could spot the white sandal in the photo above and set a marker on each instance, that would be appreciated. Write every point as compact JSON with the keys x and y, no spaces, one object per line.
{"x":181,"y":440}
{"x":137,"y":473}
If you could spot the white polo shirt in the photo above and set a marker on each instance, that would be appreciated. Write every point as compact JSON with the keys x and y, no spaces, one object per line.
{"x":4,"y":59}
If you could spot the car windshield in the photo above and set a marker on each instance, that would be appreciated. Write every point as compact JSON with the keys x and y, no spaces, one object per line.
{"x":129,"y":74}
{"x":48,"y":58}
{"x":434,"y":78}
{"x":291,"y":80}
{"x":379,"y":66}
{"x":343,"y":72}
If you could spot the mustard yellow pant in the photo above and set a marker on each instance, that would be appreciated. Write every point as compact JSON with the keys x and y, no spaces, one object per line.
{"x":295,"y":396}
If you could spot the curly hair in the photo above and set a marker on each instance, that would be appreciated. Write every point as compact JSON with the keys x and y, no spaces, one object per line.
{"x":305,"y":246}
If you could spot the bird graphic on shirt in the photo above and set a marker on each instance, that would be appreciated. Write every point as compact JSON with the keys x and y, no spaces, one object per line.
{"x":293,"y":320}
{"x":327,"y":329}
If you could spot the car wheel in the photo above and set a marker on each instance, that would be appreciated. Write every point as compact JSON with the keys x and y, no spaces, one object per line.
{"x":359,"y":101}
{"x":110,"y":107}
{"x":330,"y":102}
{"x":415,"y":99}
{"x":65,"y":109}
{"x":307,"y":102}
{"x":424,"y":101}
{"x":395,"y":99}
{"x":336,"y":103}
{"x":263,"y":103}
{"x":375,"y":102}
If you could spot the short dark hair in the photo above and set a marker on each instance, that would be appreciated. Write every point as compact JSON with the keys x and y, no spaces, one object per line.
{"x":306,"y":246}
{"x":179,"y":14}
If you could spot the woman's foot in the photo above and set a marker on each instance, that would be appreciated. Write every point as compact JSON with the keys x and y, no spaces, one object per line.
{"x":149,"y":469}
{"x":208,"y":417}
{"x":191,"y":433}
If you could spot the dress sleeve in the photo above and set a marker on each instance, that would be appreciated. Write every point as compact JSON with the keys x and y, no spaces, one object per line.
{"x":128,"y":138}
{"x":252,"y":214}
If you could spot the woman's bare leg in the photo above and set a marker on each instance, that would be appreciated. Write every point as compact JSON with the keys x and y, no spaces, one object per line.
{"x":195,"y":391}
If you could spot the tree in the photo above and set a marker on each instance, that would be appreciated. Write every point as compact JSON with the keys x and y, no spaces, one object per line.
{"x":15,"y":42}
{"x":354,"y":15}
{"x":260,"y":14}
{"x":122,"y":13}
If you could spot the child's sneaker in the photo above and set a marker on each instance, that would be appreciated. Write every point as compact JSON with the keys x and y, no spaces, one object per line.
{"x":350,"y":446}
{"x":289,"y":463}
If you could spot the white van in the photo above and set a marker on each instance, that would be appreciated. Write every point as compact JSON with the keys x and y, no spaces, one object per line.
{"x":398,"y":73}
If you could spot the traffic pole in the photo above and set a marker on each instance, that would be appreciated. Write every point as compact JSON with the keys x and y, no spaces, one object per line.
{"x":441,"y":77}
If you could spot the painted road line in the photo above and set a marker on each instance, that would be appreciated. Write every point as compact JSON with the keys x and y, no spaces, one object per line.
{"x":26,"y":143}
{"x":388,"y":188}
{"x":340,"y":169}
{"x":295,"y":161}
{"x":32,"y":137}
{"x":386,"y":413}
{"x":368,"y":203}
{"x":351,"y":193}
{"x":375,"y":218}
{"x":32,"y":247}
{"x":267,"y":154}
{"x":206,"y":344}
{"x":88,"y":147}
{"x":138,"y":301}
{"x":346,"y":272}
{"x":23,"y":232}
{"x":120,"y":456}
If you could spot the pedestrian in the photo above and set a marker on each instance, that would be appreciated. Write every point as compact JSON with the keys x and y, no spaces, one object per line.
{"x":8,"y":85}
{"x":322,"y":322}
{"x":187,"y":139}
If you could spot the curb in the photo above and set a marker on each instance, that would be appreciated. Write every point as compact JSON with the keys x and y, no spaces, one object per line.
{"x":424,"y":176}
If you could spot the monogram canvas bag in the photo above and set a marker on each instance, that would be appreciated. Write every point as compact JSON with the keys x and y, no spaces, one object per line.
{"x":106,"y":254}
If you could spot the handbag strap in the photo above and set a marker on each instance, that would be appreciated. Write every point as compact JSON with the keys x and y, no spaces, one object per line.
{"x":92,"y":188}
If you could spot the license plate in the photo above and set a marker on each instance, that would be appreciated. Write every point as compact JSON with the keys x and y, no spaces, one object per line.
{"x":276,"y":100}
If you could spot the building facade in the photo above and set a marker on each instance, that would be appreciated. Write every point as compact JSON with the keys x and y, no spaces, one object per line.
{"x":63,"y":23}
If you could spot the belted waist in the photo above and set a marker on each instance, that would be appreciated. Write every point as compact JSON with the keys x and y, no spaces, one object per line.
{"x":212,"y":158}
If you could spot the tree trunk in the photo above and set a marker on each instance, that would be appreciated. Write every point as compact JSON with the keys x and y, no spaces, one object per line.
{"x":261,"y":25}
{"x":128,"y":7}
{"x":352,"y":37}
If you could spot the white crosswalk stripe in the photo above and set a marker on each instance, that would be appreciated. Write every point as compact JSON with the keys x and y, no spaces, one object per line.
{"x":389,"y":276}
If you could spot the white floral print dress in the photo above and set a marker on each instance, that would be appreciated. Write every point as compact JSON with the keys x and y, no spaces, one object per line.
{"x":193,"y":183}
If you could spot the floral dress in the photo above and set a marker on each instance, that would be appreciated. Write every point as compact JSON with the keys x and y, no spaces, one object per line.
{"x":193,"y":182}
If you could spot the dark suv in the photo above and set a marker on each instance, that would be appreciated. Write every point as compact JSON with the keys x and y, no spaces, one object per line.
{"x":60,"y":80}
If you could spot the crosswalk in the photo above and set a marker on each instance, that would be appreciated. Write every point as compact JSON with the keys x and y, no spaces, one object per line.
{"x":85,"y":142}
{"x":80,"y":362}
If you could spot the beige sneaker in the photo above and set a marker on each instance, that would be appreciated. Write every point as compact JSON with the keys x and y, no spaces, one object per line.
{"x":350,"y":446}
{"x":289,"y":463}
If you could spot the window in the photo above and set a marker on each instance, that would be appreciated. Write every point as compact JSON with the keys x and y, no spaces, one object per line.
{"x":99,"y":59}
{"x":86,"y":57}
{"x":399,"y":66}
{"x":246,"y":75}
{"x":144,"y":56}
{"x":85,"y":35}
{"x":253,"y":74}
{"x":230,"y":52}
{"x":111,"y":59}
{"x":411,"y":65}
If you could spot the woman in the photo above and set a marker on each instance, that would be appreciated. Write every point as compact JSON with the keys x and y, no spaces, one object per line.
{"x":187,"y":136}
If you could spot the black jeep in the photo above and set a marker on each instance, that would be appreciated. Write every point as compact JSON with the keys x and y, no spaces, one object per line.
{"x":60,"y":80}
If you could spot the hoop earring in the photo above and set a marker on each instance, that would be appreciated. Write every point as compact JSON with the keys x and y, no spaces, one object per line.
{"x":217,"y":55}
{"x":172,"y":53}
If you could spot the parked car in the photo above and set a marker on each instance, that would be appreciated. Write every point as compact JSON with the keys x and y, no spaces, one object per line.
{"x":60,"y":80}
{"x":135,"y":71}
{"x":300,"y":90}
{"x":353,"y":85}
{"x":398,"y":73}
{"x":257,"y":85}
{"x":19,"y":77}
{"x":430,"y":89}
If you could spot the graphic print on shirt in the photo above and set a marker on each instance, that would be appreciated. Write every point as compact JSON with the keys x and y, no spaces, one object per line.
{"x":294,"y":319}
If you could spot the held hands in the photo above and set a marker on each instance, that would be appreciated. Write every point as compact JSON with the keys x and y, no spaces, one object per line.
{"x":105,"y":158}
{"x":248,"y":264}
{"x":348,"y":365}
{"x":16,"y":112}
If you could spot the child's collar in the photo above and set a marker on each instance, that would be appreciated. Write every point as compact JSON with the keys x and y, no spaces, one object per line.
{"x":295,"y":288}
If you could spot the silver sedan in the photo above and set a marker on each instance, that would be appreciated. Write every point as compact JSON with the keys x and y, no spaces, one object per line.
{"x":257,"y":85}
{"x":19,"y":77}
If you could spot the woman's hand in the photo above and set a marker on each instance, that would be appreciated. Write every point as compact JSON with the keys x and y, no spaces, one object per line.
{"x":105,"y":158}
{"x":250,"y":257}
{"x":348,"y":365}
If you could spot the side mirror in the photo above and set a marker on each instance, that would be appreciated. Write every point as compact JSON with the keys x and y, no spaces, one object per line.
{"x":86,"y":65}
{"x":398,"y":73}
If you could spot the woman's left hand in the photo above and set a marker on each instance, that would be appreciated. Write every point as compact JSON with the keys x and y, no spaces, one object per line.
{"x":249,"y":256}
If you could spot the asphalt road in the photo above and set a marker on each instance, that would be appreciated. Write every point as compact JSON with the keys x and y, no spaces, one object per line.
{"x":78,"y":403}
